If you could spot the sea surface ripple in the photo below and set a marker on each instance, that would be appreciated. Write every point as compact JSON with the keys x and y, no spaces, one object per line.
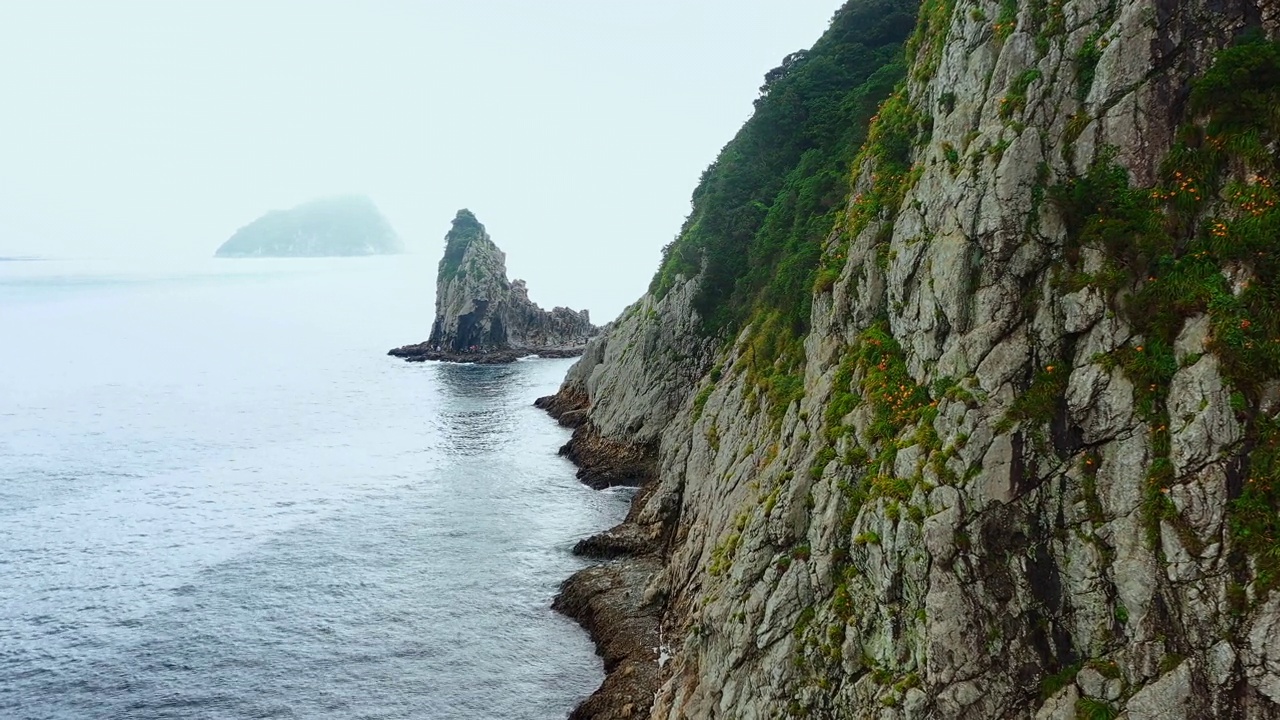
{"x":220,"y":499}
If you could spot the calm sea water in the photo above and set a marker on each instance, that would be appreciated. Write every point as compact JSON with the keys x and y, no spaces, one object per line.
{"x":219,"y":498}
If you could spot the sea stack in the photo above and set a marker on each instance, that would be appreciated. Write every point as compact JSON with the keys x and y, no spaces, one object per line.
{"x":481,"y":316}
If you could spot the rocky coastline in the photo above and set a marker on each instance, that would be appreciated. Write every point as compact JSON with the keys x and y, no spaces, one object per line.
{"x":1011,"y":448}
{"x":422,"y":352}
{"x":614,"y":601}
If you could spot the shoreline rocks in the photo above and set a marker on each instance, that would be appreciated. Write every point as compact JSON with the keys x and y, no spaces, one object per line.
{"x":612,"y":600}
{"x":423,"y":352}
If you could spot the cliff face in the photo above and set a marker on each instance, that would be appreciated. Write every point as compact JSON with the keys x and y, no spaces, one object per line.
{"x":337,"y":226}
{"x":479,"y":311}
{"x":1021,"y":459}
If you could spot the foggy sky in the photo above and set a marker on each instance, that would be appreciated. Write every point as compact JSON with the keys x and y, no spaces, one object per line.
{"x":574,"y":129}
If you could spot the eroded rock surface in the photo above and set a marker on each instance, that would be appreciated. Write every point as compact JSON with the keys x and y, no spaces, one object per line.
{"x":1027,"y":522}
{"x":481,"y":316}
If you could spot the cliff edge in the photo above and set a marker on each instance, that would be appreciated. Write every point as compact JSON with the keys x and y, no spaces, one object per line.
{"x":988,"y":426}
{"x":481,"y":316}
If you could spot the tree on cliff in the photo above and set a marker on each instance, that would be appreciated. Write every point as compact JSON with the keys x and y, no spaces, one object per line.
{"x":762,"y":209}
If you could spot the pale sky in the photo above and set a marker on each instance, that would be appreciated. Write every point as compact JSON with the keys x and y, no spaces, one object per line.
{"x":574,"y":129}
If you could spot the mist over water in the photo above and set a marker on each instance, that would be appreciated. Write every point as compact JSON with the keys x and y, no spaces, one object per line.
{"x":219,"y":498}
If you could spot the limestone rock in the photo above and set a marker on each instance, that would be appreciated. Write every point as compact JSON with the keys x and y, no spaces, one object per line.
{"x":1166,"y":698}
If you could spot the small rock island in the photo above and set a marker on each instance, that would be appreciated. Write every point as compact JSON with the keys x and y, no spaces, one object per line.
{"x":342,"y":226}
{"x":483,"y":317}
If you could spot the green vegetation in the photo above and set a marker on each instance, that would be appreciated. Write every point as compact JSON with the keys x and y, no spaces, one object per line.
{"x":1007,"y":20}
{"x":1170,"y":662}
{"x":924,"y":48}
{"x":1087,"y":58}
{"x":1090,"y":709}
{"x":762,"y":211}
{"x":774,"y":360}
{"x":1040,"y":401}
{"x":1255,"y":522}
{"x":895,"y":398}
{"x":1055,"y":682}
{"x":872,"y":375}
{"x":1049,"y":17}
{"x":1016,"y":101}
{"x":870,"y":537}
{"x":466,"y":228}
{"x":897,"y":128}
{"x":700,"y":400}
{"x":952,"y":157}
{"x":1214,"y":215}
{"x":723,"y":553}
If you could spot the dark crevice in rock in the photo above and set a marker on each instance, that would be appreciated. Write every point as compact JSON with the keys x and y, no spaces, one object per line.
{"x":1067,"y":436}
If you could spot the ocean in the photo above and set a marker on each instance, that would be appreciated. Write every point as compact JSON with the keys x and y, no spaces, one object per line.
{"x":219,"y":498}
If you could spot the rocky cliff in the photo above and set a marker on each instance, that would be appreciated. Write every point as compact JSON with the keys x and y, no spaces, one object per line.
{"x":1011,"y":450}
{"x":483,"y":316}
{"x":339,"y":226}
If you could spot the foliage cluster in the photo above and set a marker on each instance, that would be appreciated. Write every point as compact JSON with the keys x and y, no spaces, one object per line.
{"x":873,"y":374}
{"x":895,"y":398}
{"x":466,"y":228}
{"x":762,"y":210}
{"x":1203,"y":241}
{"x":1255,"y":523}
{"x":1037,"y":404}
{"x":1093,"y":709}
{"x":1016,"y":101}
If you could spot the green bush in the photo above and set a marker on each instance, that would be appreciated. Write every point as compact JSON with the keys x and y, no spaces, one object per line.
{"x":763,"y":209}
{"x":1214,"y":213}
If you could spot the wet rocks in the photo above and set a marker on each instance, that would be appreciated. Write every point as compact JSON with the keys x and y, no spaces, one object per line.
{"x":613,"y":600}
{"x":608,"y":600}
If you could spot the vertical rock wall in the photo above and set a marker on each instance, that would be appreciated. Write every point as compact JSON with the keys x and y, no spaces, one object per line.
{"x":995,"y":498}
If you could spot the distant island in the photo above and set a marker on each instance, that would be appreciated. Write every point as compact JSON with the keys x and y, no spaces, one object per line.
{"x":330,"y":227}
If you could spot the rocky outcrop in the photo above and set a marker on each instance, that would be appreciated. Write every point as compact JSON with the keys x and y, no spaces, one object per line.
{"x":339,"y":226}
{"x":613,"y":600}
{"x":481,"y":316}
{"x":1030,"y":471}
